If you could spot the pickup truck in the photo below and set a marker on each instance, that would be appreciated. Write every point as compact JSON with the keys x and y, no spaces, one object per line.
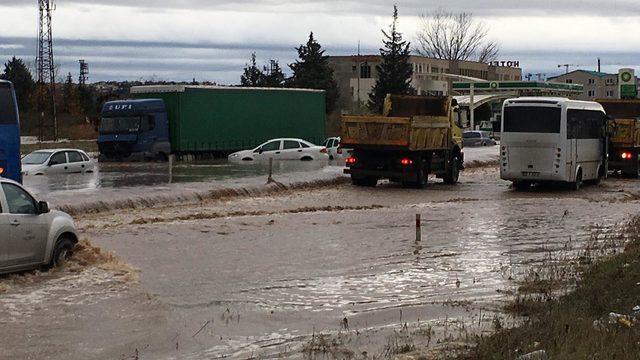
{"x":624,"y":140}
{"x":32,"y":236}
{"x":414,"y":137}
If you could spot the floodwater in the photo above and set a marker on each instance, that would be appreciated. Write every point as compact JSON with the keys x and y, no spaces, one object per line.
{"x":259,"y":276}
{"x":120,"y":175}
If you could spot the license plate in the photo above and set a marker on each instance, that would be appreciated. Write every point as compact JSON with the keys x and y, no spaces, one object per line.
{"x":530,"y":173}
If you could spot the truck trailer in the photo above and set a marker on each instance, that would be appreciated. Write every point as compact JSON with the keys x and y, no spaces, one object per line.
{"x":206,"y":120}
{"x":624,"y":140}
{"x":414,"y":137}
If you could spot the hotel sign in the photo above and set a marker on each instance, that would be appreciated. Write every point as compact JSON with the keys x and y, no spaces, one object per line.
{"x":512,"y":63}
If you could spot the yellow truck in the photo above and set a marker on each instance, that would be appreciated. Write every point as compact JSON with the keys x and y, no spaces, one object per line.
{"x":414,"y":137}
{"x":624,"y":140}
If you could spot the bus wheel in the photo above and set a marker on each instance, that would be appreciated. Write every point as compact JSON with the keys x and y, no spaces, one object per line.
{"x":578,"y":183}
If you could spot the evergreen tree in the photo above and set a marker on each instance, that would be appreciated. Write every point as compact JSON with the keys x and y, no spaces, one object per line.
{"x":252,"y":74}
{"x":272,"y":76}
{"x":312,"y":71}
{"x":70,"y":98}
{"x":16,"y":71}
{"x":395,"y":70}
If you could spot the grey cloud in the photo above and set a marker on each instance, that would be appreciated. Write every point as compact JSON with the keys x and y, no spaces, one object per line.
{"x":491,"y":8}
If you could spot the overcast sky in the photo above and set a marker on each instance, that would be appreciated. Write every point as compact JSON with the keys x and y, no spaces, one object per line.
{"x":212,"y":39}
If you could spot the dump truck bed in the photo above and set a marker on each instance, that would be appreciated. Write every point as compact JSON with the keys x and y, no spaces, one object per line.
{"x":410,"y":122}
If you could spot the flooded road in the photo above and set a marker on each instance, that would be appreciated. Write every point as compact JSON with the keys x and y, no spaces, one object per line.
{"x":122,"y":175}
{"x":258,"y":276}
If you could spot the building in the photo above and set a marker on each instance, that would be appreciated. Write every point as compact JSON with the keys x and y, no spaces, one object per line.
{"x":597,"y":85}
{"x":356,"y":75}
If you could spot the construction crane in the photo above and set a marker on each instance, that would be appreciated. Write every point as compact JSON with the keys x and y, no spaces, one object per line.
{"x":566,"y":66}
{"x":45,"y":71}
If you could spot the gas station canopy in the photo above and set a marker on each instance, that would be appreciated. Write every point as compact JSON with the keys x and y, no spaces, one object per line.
{"x":519,"y":88}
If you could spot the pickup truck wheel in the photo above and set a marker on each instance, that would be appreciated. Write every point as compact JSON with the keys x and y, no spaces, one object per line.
{"x":453,"y":175}
{"x":62,"y":252}
{"x":365,"y":181}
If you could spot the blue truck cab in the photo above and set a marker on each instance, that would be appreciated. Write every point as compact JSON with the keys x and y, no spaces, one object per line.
{"x":134,"y":130}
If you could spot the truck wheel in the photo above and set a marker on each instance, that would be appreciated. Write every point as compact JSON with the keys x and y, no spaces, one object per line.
{"x":368,"y":181}
{"x":421,"y":181}
{"x":62,"y":252}
{"x":162,"y":157}
{"x":454,"y":172}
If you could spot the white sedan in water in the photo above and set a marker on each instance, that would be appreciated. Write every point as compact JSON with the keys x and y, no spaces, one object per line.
{"x":282,"y":149}
{"x":57,"y":161}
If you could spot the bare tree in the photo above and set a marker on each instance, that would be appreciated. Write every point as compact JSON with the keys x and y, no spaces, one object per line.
{"x":455,"y":36}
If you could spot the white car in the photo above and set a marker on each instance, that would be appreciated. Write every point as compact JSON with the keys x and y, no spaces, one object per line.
{"x":32,"y":236}
{"x":335,"y":150}
{"x":57,"y":161}
{"x":282,"y":149}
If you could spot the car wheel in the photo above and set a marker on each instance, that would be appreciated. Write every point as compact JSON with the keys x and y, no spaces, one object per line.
{"x":62,"y":252}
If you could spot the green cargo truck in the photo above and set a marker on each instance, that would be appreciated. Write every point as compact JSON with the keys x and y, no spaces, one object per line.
{"x":211,"y":120}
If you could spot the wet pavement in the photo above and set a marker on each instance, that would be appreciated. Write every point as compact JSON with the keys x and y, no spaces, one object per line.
{"x":260,"y":275}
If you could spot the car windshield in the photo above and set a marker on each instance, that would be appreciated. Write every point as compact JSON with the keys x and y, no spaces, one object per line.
{"x":36,"y":158}
{"x":120,"y":124}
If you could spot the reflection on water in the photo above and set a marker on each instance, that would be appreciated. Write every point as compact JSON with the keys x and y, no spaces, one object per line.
{"x":116,"y":175}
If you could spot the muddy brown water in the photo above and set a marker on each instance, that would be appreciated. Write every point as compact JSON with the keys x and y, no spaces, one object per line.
{"x":266,"y":273}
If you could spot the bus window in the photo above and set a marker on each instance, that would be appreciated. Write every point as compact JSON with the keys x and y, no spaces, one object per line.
{"x":585,"y":124}
{"x":532,"y":119}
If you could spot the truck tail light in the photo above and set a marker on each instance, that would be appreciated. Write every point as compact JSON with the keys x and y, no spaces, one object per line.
{"x":323,"y":150}
{"x":351,"y":160}
{"x":406,"y":161}
{"x":626,"y":156}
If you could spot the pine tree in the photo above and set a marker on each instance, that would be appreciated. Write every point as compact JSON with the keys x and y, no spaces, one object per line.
{"x":395,"y":70}
{"x":70,"y":97}
{"x":272,"y":76}
{"x":252,"y":74}
{"x":16,"y":71}
{"x":312,"y":71}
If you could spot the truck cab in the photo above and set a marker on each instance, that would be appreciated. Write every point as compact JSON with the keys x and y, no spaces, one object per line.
{"x":134,"y":130}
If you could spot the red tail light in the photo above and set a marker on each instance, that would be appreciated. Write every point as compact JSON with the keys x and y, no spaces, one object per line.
{"x":323,"y":150}
{"x":626,"y":156}
{"x":1,"y":171}
{"x":351,"y":160}
{"x":339,"y":151}
{"x":406,"y":162}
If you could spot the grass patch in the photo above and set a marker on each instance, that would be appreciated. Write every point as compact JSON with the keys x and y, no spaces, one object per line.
{"x":576,"y":325}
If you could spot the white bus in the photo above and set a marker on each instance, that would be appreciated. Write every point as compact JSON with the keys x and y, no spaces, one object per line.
{"x":546,"y":139}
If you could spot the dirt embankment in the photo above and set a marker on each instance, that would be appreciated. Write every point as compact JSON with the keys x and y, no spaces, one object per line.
{"x":599,"y":320}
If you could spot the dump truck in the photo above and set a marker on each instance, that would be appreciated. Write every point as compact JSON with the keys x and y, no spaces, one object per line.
{"x":414,"y":137}
{"x":206,"y":121}
{"x":624,"y":140}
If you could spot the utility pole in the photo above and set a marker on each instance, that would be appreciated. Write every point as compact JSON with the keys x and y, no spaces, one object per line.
{"x":45,"y":69}
{"x":84,"y":73}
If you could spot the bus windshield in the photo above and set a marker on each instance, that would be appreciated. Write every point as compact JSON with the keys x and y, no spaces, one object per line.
{"x":9,"y":134}
{"x":7,"y":107}
{"x":532,"y":119}
{"x":120,"y":125}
